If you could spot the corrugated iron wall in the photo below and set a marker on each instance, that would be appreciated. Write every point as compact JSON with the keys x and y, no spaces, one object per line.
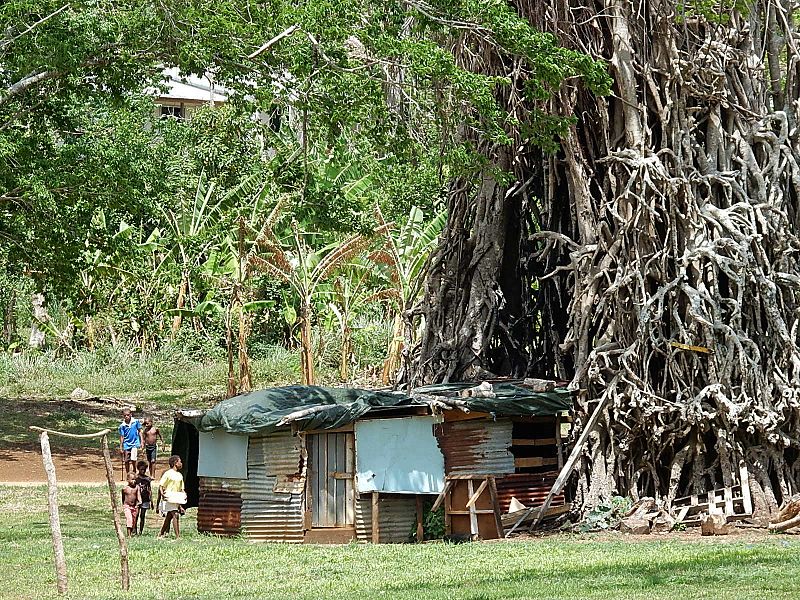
{"x":529,"y":488}
{"x":268,"y":515}
{"x":476,"y":447}
{"x":397,"y":516}
{"x":220,"y":508}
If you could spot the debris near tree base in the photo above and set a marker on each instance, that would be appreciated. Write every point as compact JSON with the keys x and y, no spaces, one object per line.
{"x":788,"y":517}
{"x":510,"y":519}
{"x":714,"y":524}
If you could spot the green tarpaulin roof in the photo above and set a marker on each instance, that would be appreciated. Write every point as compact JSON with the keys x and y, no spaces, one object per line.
{"x":263,"y":411}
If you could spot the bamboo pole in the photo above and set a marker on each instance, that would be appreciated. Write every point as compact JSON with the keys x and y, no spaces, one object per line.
{"x":112,"y":490}
{"x":52,"y":506}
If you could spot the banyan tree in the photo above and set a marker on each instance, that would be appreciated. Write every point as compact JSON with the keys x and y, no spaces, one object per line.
{"x":652,"y":260}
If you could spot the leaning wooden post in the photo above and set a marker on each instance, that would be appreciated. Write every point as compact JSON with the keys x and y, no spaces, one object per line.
{"x":52,"y":505}
{"x":112,"y":489}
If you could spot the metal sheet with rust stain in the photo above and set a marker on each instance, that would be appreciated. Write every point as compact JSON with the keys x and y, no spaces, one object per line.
{"x":220,"y":509}
{"x":267,"y":514}
{"x":397,"y":517}
{"x":476,"y":447}
{"x":528,"y":488}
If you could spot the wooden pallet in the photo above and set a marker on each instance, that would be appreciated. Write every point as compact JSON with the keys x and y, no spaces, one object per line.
{"x":733,"y":501}
{"x":480,"y":499}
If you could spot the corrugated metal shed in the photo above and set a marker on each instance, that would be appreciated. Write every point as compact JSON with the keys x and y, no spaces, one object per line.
{"x":397,"y":516}
{"x":269,"y":515}
{"x":220,"y":507}
{"x":529,"y":488}
{"x":476,"y":447}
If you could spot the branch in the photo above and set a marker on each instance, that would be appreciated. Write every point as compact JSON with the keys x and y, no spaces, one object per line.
{"x":7,"y":42}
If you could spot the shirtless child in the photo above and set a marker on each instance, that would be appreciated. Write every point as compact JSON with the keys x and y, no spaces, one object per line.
{"x":131,"y":499}
{"x":151,"y":435}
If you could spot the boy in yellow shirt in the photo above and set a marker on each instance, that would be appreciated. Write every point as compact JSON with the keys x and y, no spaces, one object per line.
{"x":171,"y":488}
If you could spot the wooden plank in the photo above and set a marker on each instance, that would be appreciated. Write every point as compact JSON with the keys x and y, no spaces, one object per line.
{"x":534,"y":461}
{"x":559,"y":444}
{"x":420,"y":519}
{"x":341,"y":485}
{"x":460,"y":415}
{"x":376,"y":525}
{"x":554,"y":511}
{"x":448,"y":507}
{"x":344,"y":429}
{"x":744,"y":479}
{"x":440,"y":498}
{"x":350,"y":484}
{"x":534,"y":442}
{"x":474,"y":497}
{"x":728,"y":501}
{"x":561,"y":480}
{"x":683,"y":512}
{"x":474,"y":511}
{"x":473,"y":516}
{"x":330,"y":535}
{"x":495,"y":506}
{"x":330,"y":482}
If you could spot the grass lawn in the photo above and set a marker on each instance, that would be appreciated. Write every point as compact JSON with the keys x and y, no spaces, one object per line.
{"x":200,"y":566}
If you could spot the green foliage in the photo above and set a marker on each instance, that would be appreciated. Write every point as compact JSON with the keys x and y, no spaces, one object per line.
{"x":605,"y":516}
{"x":714,"y":11}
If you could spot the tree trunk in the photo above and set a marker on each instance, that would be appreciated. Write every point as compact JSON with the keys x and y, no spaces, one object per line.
{"x":346,"y":353}
{"x":665,"y":275}
{"x":245,"y":375}
{"x":394,"y":355}
{"x":178,"y":319}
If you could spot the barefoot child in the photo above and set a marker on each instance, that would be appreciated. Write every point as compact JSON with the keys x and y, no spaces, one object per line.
{"x":171,"y":488}
{"x":151,"y":435}
{"x":144,"y":483}
{"x":130,"y":440}
{"x":131,"y":499}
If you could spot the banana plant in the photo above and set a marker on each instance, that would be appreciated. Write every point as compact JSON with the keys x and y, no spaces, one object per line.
{"x":304,"y":269}
{"x":403,"y":260}
{"x":190,"y":226}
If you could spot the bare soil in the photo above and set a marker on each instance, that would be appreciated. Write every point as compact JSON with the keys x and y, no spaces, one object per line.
{"x":78,"y":466}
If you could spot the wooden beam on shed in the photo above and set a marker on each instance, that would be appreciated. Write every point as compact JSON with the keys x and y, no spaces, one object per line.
{"x":376,"y":526}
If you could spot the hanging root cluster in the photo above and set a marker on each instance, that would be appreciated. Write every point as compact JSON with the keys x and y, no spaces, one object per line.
{"x":654,"y":260}
{"x":682,"y":268}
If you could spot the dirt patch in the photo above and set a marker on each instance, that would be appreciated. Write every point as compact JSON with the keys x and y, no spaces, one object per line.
{"x":83,"y":466}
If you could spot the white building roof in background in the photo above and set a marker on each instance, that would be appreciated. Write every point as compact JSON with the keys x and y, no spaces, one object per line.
{"x":189,"y":87}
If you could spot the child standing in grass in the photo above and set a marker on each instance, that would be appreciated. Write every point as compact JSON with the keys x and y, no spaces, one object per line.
{"x":152,"y":435}
{"x":171,"y":488}
{"x":130,"y":440}
{"x":144,"y":483}
{"x":131,"y":499}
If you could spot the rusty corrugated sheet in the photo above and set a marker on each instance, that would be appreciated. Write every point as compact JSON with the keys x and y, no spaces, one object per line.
{"x":397,"y":516}
{"x":529,"y":488}
{"x":476,"y":447}
{"x":220,"y":507}
{"x":269,"y":515}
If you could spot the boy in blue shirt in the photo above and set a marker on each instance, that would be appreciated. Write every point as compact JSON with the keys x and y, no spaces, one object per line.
{"x":130,"y":440}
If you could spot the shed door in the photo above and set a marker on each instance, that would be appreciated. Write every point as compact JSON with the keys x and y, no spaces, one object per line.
{"x":332,"y":468}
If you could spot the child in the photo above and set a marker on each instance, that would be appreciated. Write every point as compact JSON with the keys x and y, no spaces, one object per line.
{"x":143,"y":482}
{"x":171,"y":488}
{"x":151,"y":435}
{"x":131,"y":499}
{"x":130,"y":439}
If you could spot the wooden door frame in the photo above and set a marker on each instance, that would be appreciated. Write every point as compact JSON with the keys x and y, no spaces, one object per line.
{"x":308,"y":521}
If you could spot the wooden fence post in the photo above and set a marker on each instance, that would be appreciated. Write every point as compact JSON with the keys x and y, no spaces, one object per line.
{"x":58,"y":546}
{"x":52,"y":506}
{"x":112,"y":490}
